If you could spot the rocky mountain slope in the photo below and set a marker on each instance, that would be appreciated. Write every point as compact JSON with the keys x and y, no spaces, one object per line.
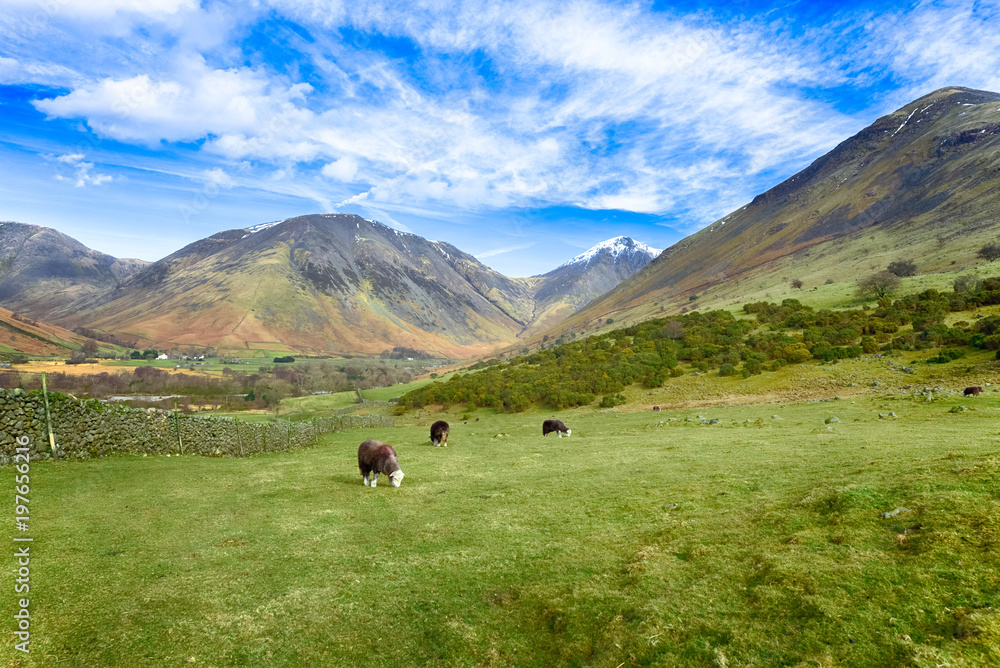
{"x":42,"y":270}
{"x":322,"y":283}
{"x":571,"y":286}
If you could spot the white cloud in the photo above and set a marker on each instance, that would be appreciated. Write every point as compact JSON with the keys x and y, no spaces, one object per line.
{"x":240,"y":105}
{"x":81,"y":174}
{"x":219,"y":177}
{"x":101,"y":8}
{"x":942,"y":44}
{"x":344,"y":169}
{"x":10,"y":70}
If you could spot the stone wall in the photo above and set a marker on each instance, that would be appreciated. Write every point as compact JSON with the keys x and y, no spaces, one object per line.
{"x":90,"y":428}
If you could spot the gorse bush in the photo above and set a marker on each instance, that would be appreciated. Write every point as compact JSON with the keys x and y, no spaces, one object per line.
{"x":653,"y":352}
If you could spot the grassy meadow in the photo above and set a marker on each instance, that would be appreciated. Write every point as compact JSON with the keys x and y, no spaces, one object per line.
{"x":645,"y":539}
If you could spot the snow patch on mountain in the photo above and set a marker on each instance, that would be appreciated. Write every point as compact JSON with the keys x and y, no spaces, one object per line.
{"x":260,"y":228}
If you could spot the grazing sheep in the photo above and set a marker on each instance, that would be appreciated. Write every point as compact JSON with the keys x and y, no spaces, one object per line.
{"x":439,"y":433}
{"x":375,"y":457}
{"x":973,"y":391}
{"x":556,"y":426}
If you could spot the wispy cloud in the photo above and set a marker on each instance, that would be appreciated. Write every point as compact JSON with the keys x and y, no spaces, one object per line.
{"x":486,"y":106}
{"x":74,"y":169}
{"x":500,"y":251}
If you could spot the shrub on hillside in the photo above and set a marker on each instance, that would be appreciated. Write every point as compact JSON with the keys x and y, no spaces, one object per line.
{"x":946,"y":356}
{"x":612,"y":400}
{"x":878,"y":285}
{"x":989,"y":252}
{"x":902,"y":268}
{"x":967,"y":283}
{"x":752,"y":367}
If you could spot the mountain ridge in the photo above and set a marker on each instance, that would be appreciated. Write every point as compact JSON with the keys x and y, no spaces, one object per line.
{"x":319,"y":283}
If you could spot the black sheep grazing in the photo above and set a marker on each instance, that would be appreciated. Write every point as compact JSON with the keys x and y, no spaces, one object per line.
{"x":556,"y":426}
{"x":375,"y":457}
{"x":439,"y":433}
{"x":972,"y":391}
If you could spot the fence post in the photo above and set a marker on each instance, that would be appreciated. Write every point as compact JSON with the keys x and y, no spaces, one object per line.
{"x":48,"y":419}
{"x":177,"y":428}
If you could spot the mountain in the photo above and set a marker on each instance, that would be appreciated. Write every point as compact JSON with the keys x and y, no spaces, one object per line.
{"x":571,"y":286}
{"x":320,"y":283}
{"x":42,"y":270}
{"x":921,"y":184}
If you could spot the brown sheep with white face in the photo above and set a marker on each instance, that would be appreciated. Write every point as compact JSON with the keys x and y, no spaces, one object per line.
{"x":557,"y":426}
{"x":439,"y":433}
{"x":375,"y":457}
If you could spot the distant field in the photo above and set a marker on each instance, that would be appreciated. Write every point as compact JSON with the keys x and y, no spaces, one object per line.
{"x":645,"y":539}
{"x":319,"y":405}
{"x":323,"y":405}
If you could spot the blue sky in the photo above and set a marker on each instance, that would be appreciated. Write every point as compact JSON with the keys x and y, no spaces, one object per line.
{"x":521,"y":132}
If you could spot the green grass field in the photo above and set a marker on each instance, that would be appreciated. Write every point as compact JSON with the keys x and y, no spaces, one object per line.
{"x":644,"y":539}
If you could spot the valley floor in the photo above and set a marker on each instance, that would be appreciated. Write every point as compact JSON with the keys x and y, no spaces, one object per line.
{"x":808,"y":533}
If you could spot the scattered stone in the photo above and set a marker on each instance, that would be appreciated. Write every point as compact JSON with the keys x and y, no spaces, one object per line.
{"x":959,"y":409}
{"x":896,"y":511}
{"x":830,"y":420}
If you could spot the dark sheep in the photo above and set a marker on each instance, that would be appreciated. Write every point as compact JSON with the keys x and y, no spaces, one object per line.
{"x":973,"y":391}
{"x":556,"y":426}
{"x":375,"y":457}
{"x":656,"y":408}
{"x":439,"y":433}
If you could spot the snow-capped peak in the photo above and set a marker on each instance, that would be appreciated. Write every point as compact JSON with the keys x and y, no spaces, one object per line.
{"x":615,"y":247}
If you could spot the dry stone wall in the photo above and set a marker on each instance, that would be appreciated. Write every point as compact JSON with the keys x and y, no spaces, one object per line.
{"x":90,"y":428}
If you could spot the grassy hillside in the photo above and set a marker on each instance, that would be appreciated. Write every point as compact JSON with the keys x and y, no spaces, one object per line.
{"x":646,"y":539}
{"x":22,"y":337}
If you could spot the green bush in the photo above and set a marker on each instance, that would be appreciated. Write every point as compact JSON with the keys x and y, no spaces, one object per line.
{"x":946,"y":356}
{"x":612,"y":400}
